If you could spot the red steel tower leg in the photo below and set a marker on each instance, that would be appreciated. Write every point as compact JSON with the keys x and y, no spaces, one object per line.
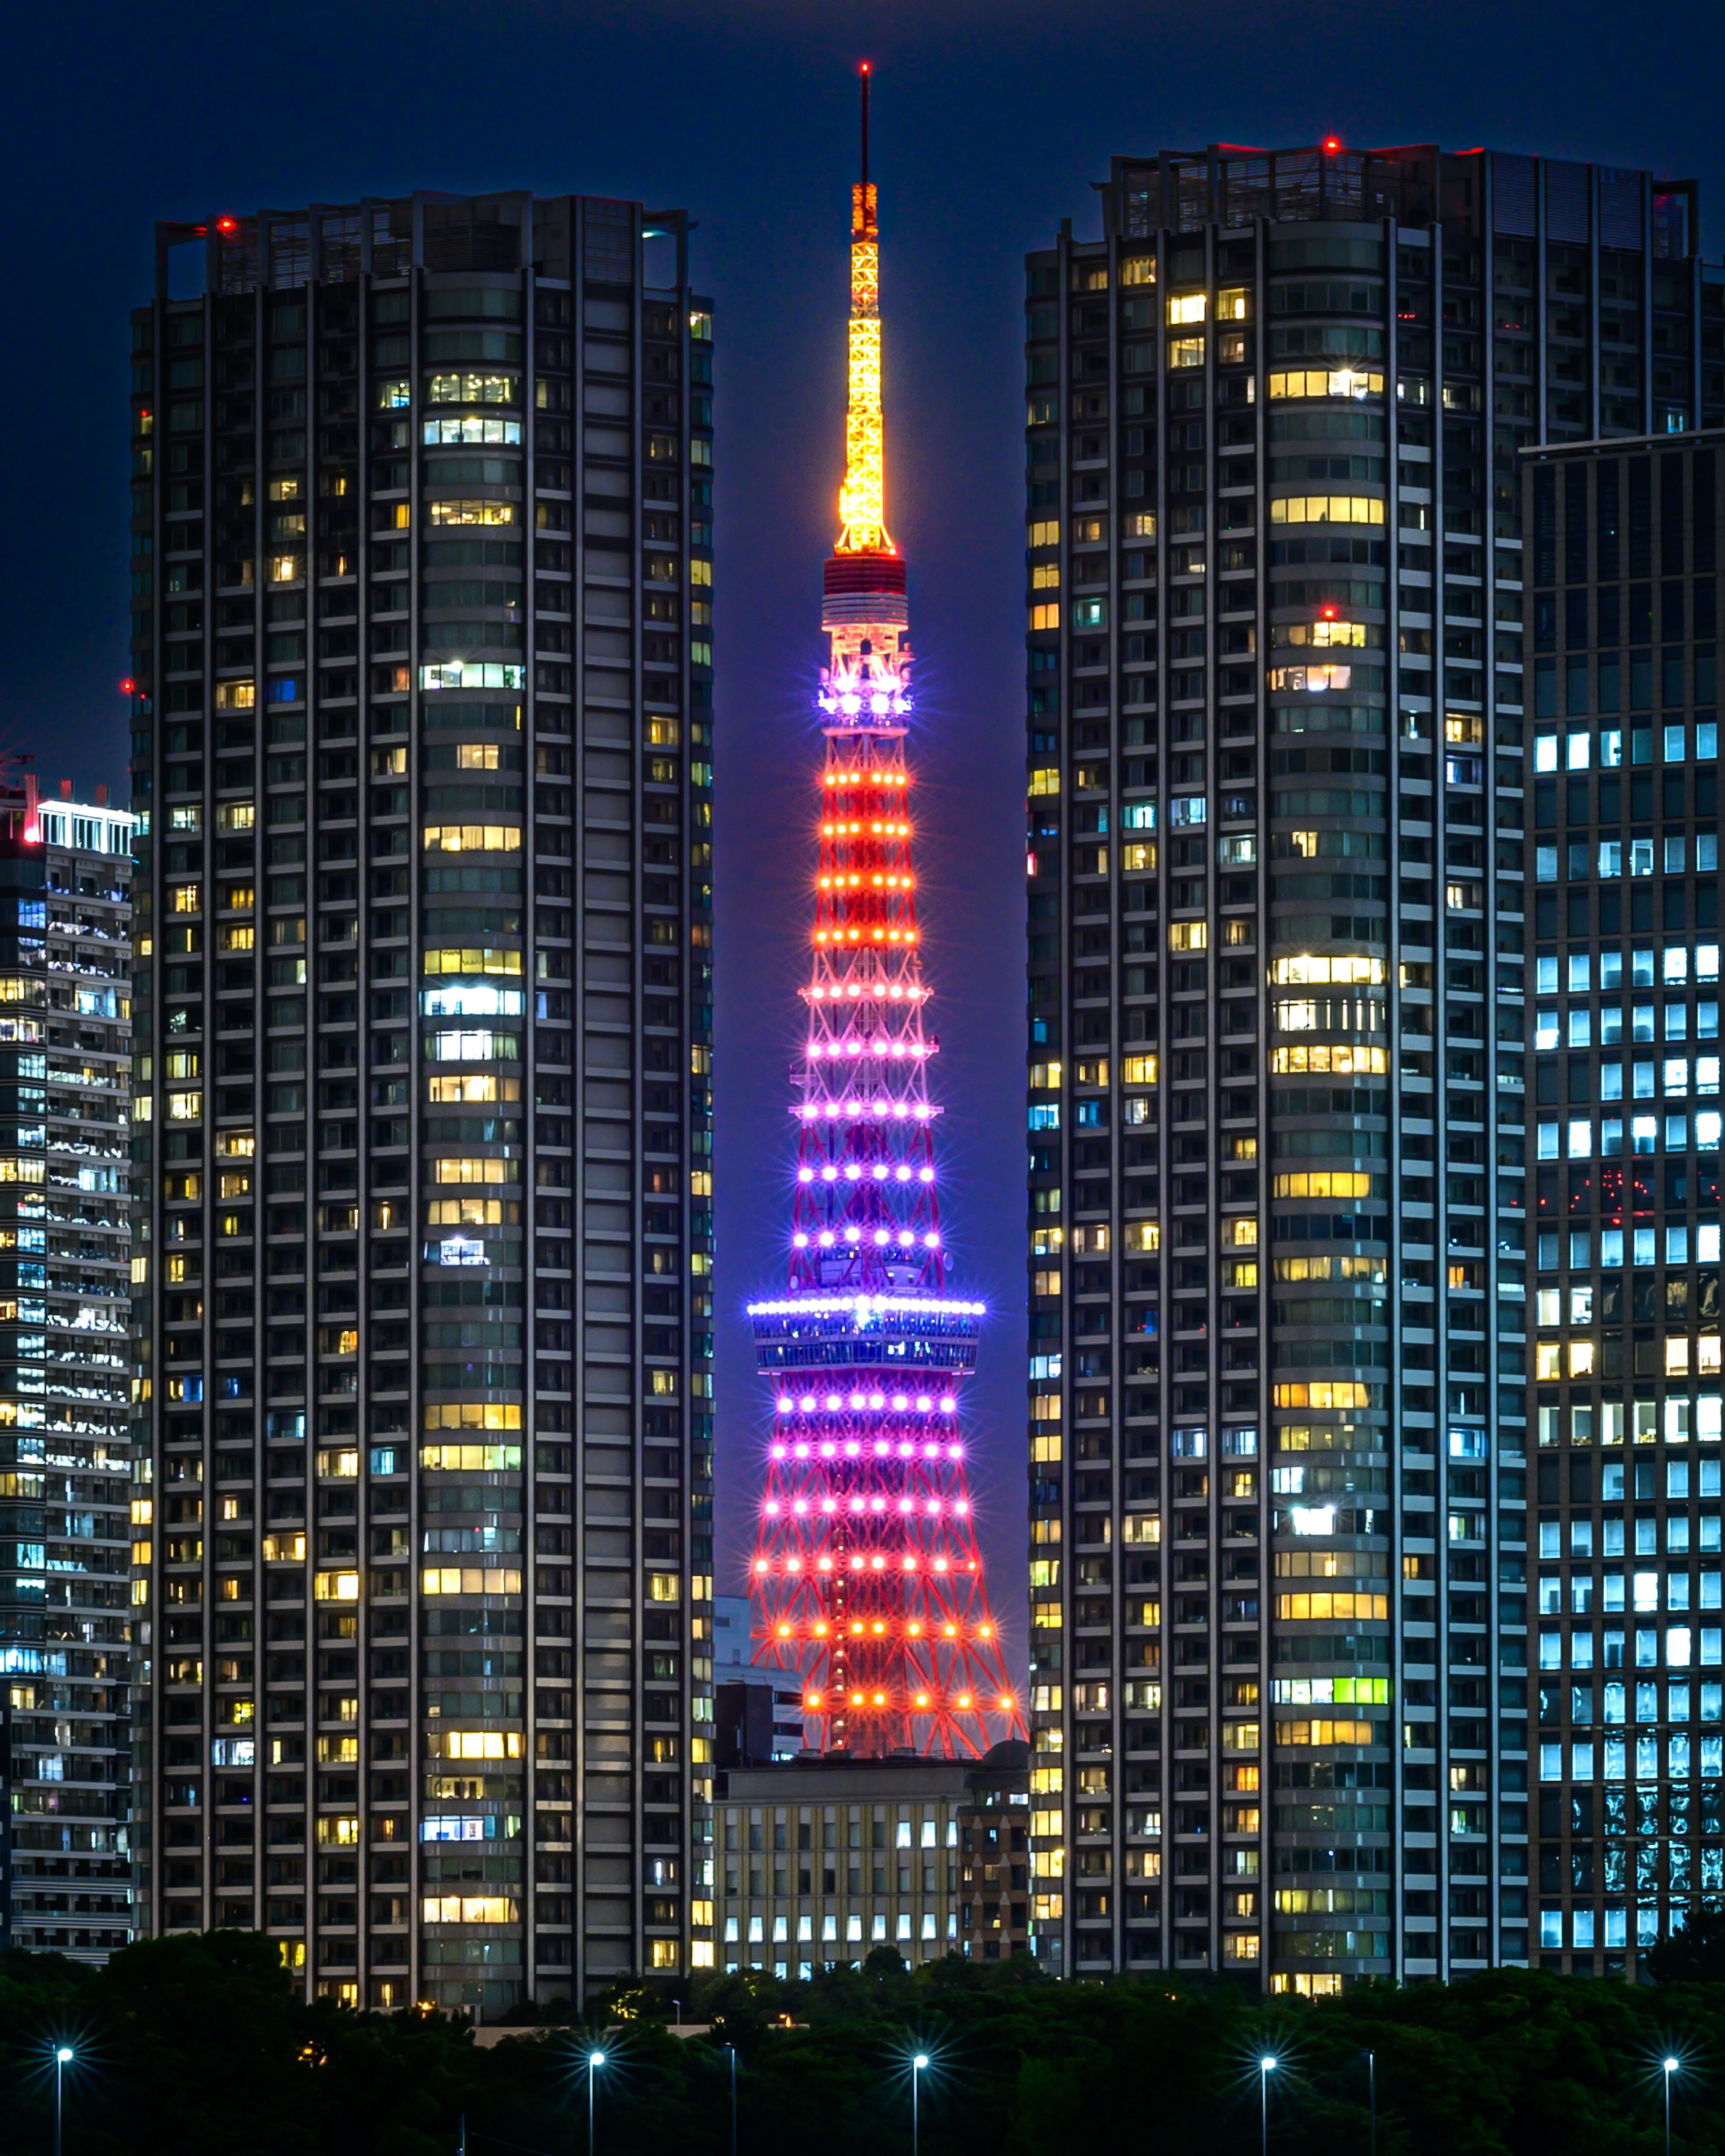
{"x":866,"y":1576}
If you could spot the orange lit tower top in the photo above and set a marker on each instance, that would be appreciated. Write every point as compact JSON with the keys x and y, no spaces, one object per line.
{"x":867,"y":1579}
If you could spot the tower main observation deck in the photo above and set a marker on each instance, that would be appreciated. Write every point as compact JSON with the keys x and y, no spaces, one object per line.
{"x":866,"y":1577}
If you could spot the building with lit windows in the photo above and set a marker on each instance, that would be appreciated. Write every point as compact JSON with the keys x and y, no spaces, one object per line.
{"x":65,"y":1372}
{"x":823,"y":1859}
{"x":422,"y":566}
{"x":1278,"y":1226}
{"x":1624,"y":1161}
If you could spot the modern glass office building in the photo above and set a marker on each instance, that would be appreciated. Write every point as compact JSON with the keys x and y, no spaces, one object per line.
{"x":423,"y":575}
{"x":65,"y":1372}
{"x":1278,"y":1213}
{"x":1623,"y":552}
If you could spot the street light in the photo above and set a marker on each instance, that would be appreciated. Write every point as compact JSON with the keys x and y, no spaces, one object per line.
{"x":732,"y":2050}
{"x":594,"y":2060}
{"x":63,"y":2056}
{"x":918,"y":2067}
{"x":1266,"y":2067}
{"x":1671,"y":2067}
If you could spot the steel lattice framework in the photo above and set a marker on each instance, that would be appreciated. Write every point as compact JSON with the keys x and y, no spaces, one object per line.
{"x":866,"y":1575}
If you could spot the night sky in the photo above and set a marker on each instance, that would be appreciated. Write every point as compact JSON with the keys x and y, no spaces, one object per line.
{"x":992,"y":120}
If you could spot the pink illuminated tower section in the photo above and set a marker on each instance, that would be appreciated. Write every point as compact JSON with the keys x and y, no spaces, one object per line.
{"x":866,"y":1577}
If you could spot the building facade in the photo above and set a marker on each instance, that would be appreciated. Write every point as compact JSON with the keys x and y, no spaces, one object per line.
{"x":823,"y":1859}
{"x":65,"y":1380}
{"x":757,"y":1712}
{"x":1279,"y":1376}
{"x":994,"y":1854}
{"x":423,"y":562}
{"x":1624,"y":1161}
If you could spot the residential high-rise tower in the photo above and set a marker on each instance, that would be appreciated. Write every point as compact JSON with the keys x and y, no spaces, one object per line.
{"x":422,"y":542}
{"x":1278,"y":1213}
{"x":65,"y":1384}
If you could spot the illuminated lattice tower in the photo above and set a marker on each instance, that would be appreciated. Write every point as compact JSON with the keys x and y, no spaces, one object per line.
{"x":866,"y":1575}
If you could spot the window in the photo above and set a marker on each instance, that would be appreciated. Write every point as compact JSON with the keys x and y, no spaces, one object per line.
{"x":1046,"y":616}
{"x":467,"y":388}
{"x":1185,"y":351}
{"x":472,"y":838}
{"x":1327,"y":382}
{"x":470,"y":512}
{"x":471,"y":428}
{"x":470,"y":674}
{"x":1187,"y":307}
{"x":1326,"y":509}
{"x":1323,"y":1183}
{"x":1330,"y":968}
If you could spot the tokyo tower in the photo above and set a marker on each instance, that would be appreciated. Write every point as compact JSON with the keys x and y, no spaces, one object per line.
{"x":866,"y":1577}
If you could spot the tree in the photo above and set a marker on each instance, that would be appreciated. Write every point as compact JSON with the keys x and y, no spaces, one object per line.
{"x":1695,"y":1954}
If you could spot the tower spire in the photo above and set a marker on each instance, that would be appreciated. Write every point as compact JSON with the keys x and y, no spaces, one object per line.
{"x":867,"y":1578}
{"x":862,"y":503}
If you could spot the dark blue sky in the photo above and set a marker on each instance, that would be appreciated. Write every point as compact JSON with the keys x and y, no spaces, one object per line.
{"x":992,"y":119}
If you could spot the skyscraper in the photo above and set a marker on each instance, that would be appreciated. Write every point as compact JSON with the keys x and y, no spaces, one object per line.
{"x":1623,"y":1159}
{"x":65,"y":1384}
{"x":1277,"y":1216}
{"x":422,"y":540}
{"x":866,"y":1575}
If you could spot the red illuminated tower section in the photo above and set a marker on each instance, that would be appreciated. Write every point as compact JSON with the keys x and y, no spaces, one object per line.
{"x":866,"y":1575}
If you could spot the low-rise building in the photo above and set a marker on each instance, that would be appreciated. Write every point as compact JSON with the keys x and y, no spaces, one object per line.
{"x":822,"y":1861}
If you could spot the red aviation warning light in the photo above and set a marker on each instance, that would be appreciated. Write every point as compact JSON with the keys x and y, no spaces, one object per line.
{"x":867,"y":1577}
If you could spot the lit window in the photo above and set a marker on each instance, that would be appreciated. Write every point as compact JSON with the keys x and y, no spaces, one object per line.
{"x":1326,"y":509}
{"x":470,"y":512}
{"x":472,"y":838}
{"x":1321,"y":381}
{"x":472,"y":388}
